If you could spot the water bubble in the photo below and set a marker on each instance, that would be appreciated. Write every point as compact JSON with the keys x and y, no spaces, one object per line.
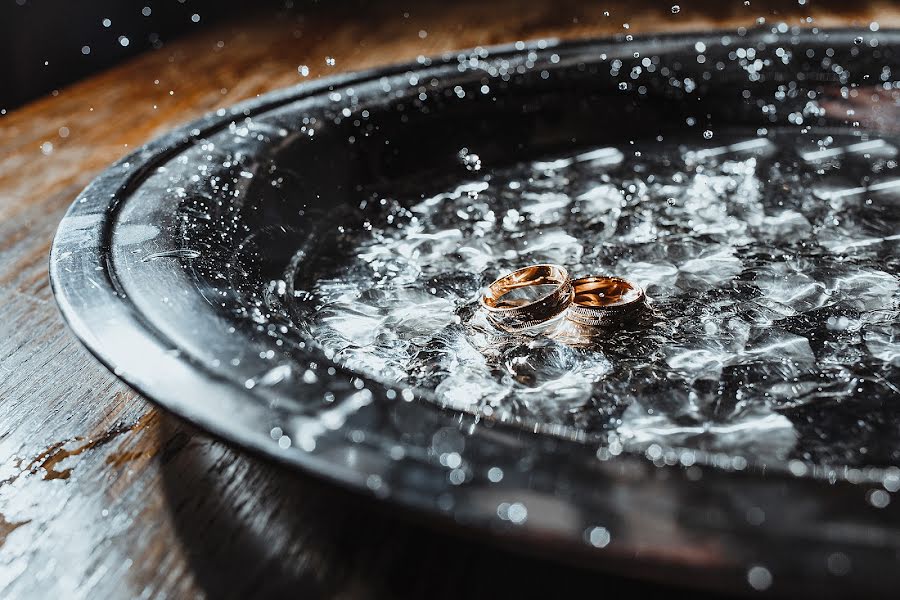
{"x":858,"y":40}
{"x":303,"y":70}
{"x":676,"y":9}
{"x":330,"y":61}
{"x":708,"y":134}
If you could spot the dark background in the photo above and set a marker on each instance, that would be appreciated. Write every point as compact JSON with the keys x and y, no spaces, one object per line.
{"x":46,"y":44}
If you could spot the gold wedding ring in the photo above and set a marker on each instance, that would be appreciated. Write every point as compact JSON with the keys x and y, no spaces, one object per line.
{"x":513,"y":302}
{"x":603,"y":301}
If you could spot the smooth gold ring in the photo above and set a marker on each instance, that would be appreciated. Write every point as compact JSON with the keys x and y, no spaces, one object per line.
{"x":515,"y":314}
{"x":602,"y":301}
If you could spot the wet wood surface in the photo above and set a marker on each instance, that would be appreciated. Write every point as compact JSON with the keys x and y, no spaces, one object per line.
{"x":101,"y":495}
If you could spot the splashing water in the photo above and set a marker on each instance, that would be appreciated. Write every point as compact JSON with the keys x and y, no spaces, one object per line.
{"x":774,"y":302}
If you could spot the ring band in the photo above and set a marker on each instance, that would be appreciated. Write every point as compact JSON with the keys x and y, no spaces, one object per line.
{"x":599,"y":301}
{"x":516,"y":314}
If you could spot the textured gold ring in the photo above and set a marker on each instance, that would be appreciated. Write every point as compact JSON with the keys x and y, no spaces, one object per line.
{"x":512,"y":303}
{"x":602,"y":301}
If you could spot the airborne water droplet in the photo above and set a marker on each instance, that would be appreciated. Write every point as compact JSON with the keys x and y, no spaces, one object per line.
{"x":470,"y":160}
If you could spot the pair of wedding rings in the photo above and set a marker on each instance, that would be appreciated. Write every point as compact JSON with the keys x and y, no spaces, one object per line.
{"x":514,"y":302}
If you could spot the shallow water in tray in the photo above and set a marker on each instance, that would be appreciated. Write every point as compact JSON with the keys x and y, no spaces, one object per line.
{"x":770,"y":261}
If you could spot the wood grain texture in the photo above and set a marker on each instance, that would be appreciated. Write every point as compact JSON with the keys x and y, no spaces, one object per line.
{"x":103,"y":496}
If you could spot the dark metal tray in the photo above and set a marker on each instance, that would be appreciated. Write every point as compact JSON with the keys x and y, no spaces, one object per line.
{"x":164,"y":268}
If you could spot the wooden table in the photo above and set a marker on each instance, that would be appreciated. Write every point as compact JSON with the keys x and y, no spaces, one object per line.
{"x":103,"y":495}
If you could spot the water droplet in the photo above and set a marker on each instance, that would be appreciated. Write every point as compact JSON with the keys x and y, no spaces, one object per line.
{"x":598,"y":537}
{"x":470,"y":160}
{"x":517,"y":513}
{"x":839,"y":564}
{"x":759,"y":578}
{"x":878,"y":498}
{"x":330,"y":61}
{"x":676,"y":9}
{"x":708,"y":134}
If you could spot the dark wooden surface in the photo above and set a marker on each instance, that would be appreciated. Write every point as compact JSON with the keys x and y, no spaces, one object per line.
{"x":101,"y":495}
